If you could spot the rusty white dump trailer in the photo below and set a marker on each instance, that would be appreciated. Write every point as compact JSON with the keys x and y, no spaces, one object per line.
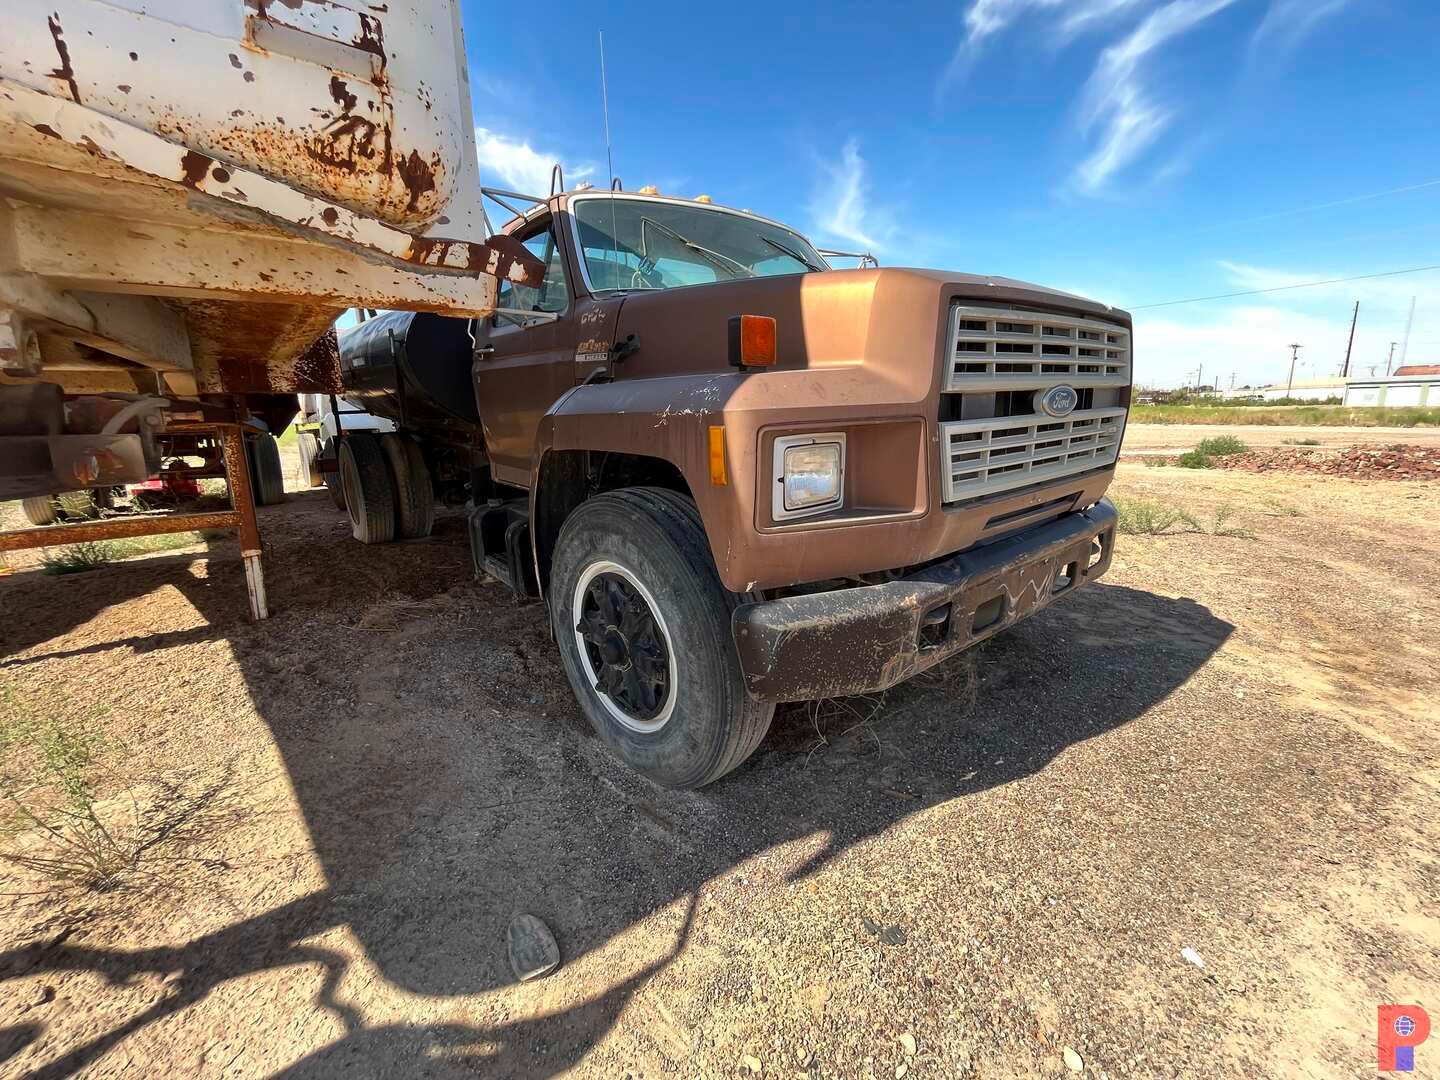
{"x":190,"y":192}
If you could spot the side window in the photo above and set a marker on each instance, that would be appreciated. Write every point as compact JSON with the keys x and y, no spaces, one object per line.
{"x":552,"y":294}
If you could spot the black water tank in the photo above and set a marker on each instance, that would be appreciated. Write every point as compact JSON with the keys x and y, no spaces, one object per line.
{"x":412,"y":366}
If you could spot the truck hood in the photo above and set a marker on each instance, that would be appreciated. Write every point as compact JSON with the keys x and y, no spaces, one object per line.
{"x":891,"y":319}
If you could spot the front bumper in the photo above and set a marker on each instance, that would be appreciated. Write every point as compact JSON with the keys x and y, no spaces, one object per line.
{"x":868,"y":638}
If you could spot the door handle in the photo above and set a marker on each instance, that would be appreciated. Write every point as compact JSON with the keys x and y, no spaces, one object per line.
{"x":484,"y":350}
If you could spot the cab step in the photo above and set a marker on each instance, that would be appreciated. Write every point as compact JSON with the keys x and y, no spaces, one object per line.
{"x":500,"y":546}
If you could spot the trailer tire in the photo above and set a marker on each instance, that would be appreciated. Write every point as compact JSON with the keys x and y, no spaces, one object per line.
{"x":414,"y":491}
{"x":649,"y":545}
{"x":267,"y":477}
{"x":40,"y":510}
{"x":309,"y":448}
{"x":369,"y":493}
{"x":332,"y":478}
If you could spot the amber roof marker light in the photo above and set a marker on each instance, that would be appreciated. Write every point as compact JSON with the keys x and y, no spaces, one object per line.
{"x":752,"y":341}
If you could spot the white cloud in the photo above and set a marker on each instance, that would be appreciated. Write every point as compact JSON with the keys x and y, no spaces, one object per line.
{"x":1117,"y":98}
{"x":1251,"y":336}
{"x":1288,"y":21}
{"x":987,"y":18}
{"x":1122,"y":115}
{"x":841,"y":204}
{"x":513,"y":164}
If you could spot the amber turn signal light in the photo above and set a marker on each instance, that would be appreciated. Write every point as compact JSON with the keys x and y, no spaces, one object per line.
{"x":719,"y":475}
{"x":752,"y":341}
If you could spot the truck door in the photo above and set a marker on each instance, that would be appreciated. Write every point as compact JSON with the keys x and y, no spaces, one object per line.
{"x":521,"y":368}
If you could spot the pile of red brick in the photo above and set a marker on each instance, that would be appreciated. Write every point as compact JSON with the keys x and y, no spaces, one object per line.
{"x":1396,"y":462}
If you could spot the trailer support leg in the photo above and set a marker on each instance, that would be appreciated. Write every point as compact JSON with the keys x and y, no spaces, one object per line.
{"x":242,"y":500}
{"x":255,"y":586}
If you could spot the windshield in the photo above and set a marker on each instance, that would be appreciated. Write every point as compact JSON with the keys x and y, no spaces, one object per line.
{"x":647,"y":244}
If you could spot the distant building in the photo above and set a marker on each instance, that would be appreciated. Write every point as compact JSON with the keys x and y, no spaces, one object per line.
{"x":1422,"y":388}
{"x":1306,"y":389}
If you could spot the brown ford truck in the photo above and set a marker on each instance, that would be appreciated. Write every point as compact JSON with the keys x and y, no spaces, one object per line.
{"x":737,"y":476}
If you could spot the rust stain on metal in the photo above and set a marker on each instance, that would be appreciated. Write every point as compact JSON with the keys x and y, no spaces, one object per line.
{"x":220,"y":174}
{"x":341,"y":94}
{"x":331,"y":215}
{"x":46,"y":129}
{"x":235,"y":62}
{"x":194,"y":166}
{"x":249,"y":76}
{"x":417,"y":176}
{"x":503,"y":256}
{"x":319,"y":365}
{"x":124,"y":88}
{"x":372,"y":38}
{"x":116,"y":529}
{"x":64,"y":71}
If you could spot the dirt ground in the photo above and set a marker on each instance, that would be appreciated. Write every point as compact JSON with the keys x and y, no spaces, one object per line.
{"x":1225,"y":746}
{"x":1177,"y":438}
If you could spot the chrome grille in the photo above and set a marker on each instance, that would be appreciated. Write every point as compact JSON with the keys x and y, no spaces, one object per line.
{"x":983,"y":457}
{"x":994,"y":348}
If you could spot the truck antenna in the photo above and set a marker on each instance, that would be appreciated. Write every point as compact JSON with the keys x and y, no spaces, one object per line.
{"x":609,"y":159}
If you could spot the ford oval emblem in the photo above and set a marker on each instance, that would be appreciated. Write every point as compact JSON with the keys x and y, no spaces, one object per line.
{"x":1058,"y":401}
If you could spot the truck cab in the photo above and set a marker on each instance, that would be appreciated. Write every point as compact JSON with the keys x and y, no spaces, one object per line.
{"x":737,"y":476}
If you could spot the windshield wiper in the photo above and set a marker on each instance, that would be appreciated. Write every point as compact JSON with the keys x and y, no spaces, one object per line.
{"x":714,"y":256}
{"x":787,"y":250}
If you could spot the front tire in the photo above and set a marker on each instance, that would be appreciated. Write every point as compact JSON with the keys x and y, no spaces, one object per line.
{"x":643,"y":625}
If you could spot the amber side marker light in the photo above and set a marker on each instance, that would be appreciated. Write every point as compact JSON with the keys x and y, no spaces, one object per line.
{"x":752,"y":341}
{"x":718,"y":475}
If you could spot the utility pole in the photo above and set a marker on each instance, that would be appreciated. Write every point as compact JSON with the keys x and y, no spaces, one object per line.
{"x":1232,"y":379}
{"x":1345,"y":371}
{"x":1405,"y":345}
{"x":1294,"y":352}
{"x":1390,"y":357}
{"x":1199,"y":377}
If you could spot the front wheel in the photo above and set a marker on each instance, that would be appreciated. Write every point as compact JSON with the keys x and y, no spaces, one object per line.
{"x":643,"y":625}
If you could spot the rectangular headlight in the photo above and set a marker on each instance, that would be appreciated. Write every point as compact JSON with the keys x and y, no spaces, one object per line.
{"x":809,"y":475}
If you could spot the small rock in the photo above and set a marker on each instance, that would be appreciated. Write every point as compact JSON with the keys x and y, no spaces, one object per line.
{"x":1073,"y":1061}
{"x":533,"y":951}
{"x":750,"y":1065}
{"x":901,"y":1070}
{"x":907,"y":1043}
{"x":804,"y":1058}
{"x":1194,"y":957}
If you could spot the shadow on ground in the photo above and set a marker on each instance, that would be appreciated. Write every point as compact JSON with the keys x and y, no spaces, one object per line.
{"x":448,"y":781}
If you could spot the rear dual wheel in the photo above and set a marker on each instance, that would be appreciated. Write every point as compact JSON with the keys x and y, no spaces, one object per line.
{"x":643,"y":625}
{"x":386,"y":488}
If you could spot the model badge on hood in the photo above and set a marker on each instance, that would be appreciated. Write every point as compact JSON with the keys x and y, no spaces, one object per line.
{"x":1057,"y":401}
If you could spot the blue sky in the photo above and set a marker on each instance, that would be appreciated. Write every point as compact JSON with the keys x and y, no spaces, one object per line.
{"x":1135,"y":151}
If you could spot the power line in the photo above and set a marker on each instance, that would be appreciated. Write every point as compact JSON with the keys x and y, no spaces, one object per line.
{"x":1320,"y":206}
{"x":1284,"y":288}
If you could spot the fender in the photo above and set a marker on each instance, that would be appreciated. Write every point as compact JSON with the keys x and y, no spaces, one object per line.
{"x":663,"y":418}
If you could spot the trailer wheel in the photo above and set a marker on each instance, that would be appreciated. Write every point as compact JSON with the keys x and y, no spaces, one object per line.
{"x":332,"y":478}
{"x":309,"y":448}
{"x":369,"y":494}
{"x":414,"y":491}
{"x":643,"y":624}
{"x":40,"y":510}
{"x":267,"y":478}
